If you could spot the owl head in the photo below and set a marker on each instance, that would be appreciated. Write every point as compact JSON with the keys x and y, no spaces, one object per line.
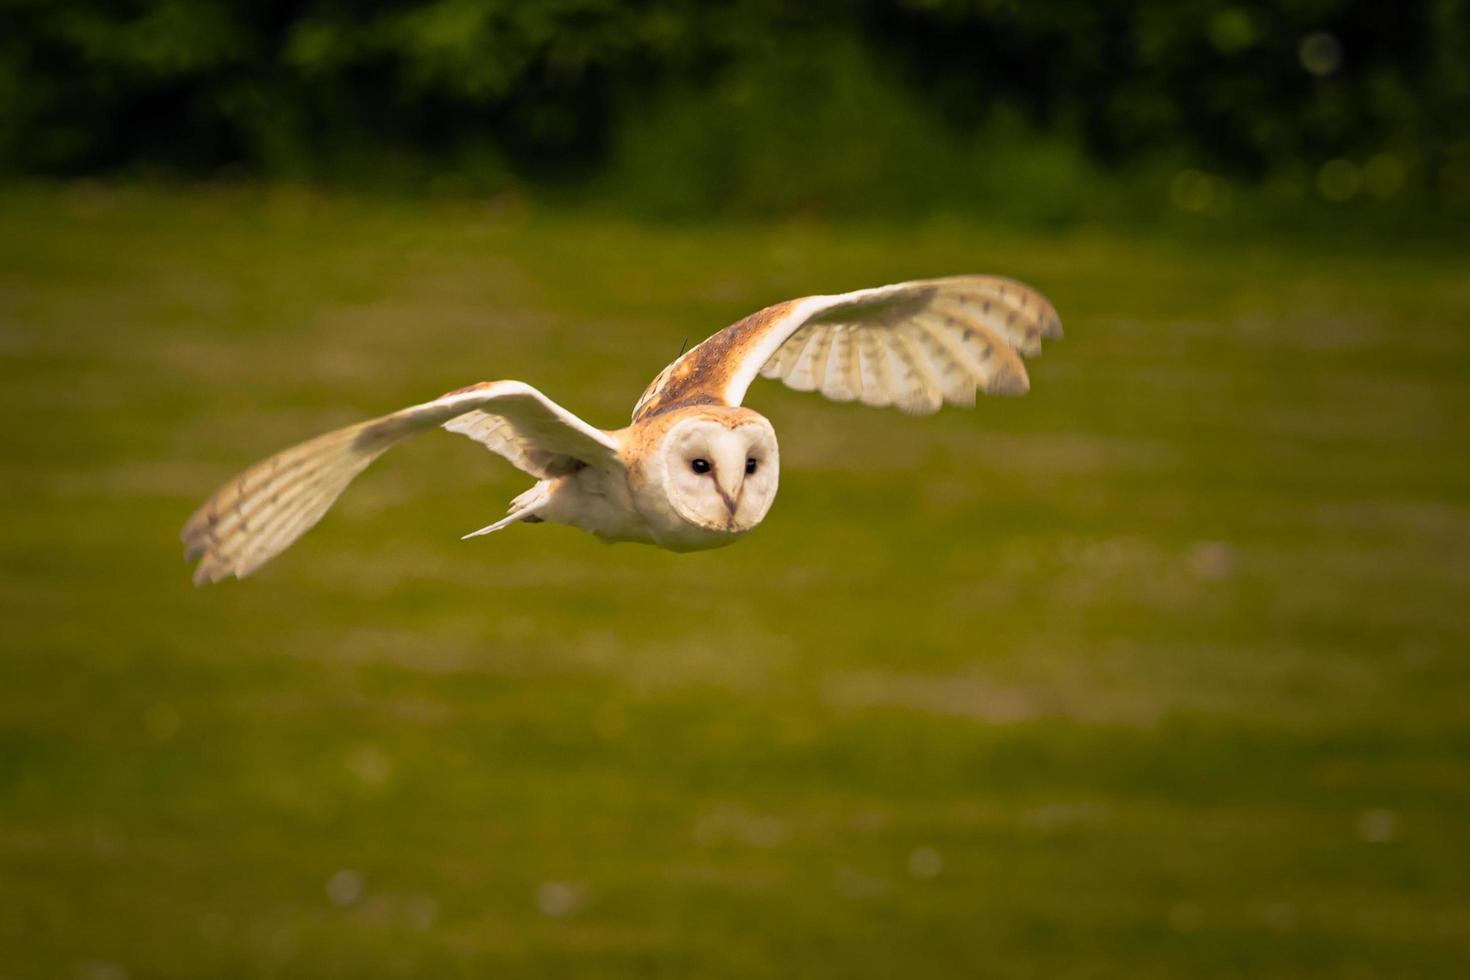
{"x":719,"y":469}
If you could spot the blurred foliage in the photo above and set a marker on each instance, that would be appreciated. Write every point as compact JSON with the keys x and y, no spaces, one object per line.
{"x":753,"y":105}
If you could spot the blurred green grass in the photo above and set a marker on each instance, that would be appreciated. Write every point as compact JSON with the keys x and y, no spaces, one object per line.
{"x":1158,"y":670}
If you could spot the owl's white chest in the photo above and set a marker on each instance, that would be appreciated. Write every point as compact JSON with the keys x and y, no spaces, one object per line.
{"x":617,"y":509}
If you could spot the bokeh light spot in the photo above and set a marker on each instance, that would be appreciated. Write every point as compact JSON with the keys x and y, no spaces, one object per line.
{"x":345,"y":888}
{"x":1231,"y":29}
{"x":1378,"y":826}
{"x":1320,"y":53}
{"x":1212,"y":561}
{"x":370,"y":765}
{"x":559,"y":899}
{"x":98,"y":970}
{"x":422,"y":912}
{"x":925,"y":862}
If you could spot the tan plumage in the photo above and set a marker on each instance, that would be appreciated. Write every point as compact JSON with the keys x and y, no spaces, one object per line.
{"x":913,"y":345}
{"x":694,"y":470}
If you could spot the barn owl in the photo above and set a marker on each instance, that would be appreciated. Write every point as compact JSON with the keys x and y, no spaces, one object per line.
{"x":695,"y":469}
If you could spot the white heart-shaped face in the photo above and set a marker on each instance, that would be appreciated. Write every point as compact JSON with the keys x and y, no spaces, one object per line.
{"x":720,"y":473}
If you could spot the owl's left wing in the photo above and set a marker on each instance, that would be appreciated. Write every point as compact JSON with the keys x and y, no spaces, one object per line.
{"x":914,"y":345}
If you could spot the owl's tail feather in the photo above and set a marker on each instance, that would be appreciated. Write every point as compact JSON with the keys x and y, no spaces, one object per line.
{"x":525,"y":507}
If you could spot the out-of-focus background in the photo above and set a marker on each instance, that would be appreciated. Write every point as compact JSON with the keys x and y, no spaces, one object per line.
{"x":1159,"y":671}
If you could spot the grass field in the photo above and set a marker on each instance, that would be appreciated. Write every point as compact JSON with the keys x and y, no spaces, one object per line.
{"x":1160,"y":671}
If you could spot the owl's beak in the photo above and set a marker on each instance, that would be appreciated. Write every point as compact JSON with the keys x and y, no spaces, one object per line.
{"x":729,"y":460}
{"x":729,"y":484}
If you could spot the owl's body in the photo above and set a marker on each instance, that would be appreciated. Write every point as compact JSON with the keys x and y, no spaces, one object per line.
{"x":630,"y":501}
{"x":695,"y":470}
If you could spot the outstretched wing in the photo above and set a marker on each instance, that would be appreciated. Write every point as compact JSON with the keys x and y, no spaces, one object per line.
{"x":914,"y":345}
{"x":259,"y":513}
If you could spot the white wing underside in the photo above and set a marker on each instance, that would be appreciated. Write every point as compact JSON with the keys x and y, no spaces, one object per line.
{"x":262,"y":511}
{"x":915,"y":346}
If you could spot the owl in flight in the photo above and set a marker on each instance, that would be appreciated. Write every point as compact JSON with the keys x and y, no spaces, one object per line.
{"x":695,"y":469}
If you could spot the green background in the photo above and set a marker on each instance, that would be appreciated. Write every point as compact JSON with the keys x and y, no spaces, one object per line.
{"x":1157,"y":671}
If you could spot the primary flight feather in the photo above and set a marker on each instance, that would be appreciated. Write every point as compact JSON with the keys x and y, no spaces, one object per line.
{"x":695,"y":469}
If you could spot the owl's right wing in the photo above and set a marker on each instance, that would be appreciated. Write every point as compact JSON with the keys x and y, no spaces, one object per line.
{"x":259,"y":513}
{"x":914,"y":345}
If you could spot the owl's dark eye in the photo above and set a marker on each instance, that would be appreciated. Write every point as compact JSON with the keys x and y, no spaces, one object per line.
{"x":700,"y":466}
{"x":750,"y":465}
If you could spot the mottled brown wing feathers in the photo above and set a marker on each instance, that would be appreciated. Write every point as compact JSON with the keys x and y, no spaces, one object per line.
{"x":702,"y":375}
{"x":914,"y":345}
